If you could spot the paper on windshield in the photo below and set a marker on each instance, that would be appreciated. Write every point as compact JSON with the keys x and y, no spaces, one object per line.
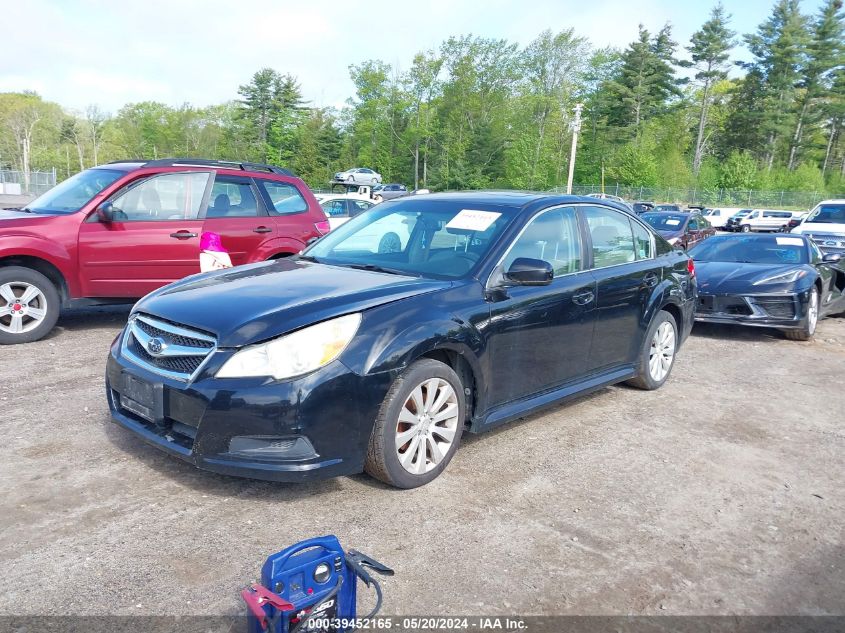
{"x":671,"y":222}
{"x":790,"y":241}
{"x":472,"y":220}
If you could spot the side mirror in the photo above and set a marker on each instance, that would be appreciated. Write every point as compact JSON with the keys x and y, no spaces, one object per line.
{"x":105,"y":212}
{"x":525,"y":271}
{"x":831,"y":258}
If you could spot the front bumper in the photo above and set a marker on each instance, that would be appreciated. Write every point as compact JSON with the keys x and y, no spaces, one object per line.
{"x":782,"y":311}
{"x":311,"y":427}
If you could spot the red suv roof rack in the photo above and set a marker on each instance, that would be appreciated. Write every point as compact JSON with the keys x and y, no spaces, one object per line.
{"x":222,"y":164}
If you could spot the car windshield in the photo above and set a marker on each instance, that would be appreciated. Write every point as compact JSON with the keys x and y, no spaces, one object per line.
{"x":435,"y":239}
{"x":666,"y":207}
{"x":665,"y":221}
{"x":828,"y":213}
{"x":71,"y":195}
{"x":742,"y":214}
{"x":752,"y":249}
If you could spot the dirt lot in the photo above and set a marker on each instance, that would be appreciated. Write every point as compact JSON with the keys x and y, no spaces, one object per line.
{"x":720,"y":493}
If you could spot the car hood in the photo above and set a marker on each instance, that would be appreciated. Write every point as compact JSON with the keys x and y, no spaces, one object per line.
{"x":822,"y":228}
{"x":250,"y":304}
{"x":12,"y":215}
{"x":738,"y":278}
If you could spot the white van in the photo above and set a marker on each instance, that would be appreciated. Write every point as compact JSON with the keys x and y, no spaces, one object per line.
{"x":826,"y":226}
{"x":765,"y":220}
{"x":718,"y":217}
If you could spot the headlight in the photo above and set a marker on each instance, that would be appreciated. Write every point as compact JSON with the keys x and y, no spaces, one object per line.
{"x":294,"y":354}
{"x":782,"y":278}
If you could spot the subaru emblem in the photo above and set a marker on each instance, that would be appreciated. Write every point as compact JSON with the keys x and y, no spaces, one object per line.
{"x":155,"y":346}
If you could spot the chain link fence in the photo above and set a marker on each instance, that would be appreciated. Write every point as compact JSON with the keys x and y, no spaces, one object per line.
{"x":16,"y":183}
{"x":798,"y":200}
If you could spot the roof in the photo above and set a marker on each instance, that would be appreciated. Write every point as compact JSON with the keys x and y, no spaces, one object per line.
{"x":513,"y":199}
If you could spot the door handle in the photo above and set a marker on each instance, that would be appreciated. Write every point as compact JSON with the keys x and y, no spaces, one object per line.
{"x":583,"y":298}
{"x":650,"y":280}
{"x":183,"y":235}
{"x":262,"y":229}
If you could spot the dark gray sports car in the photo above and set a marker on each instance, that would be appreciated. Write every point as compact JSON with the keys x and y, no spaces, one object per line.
{"x":777,"y":281}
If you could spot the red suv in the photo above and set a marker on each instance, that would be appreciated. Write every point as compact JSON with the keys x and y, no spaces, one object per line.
{"x":118,"y":231}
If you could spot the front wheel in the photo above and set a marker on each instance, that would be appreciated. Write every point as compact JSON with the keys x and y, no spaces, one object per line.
{"x":746,"y":228}
{"x":418,"y":427}
{"x":29,"y":305}
{"x":808,"y":328}
{"x":657,"y":356}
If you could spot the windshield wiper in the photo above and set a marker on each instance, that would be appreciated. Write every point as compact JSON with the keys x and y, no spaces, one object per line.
{"x":26,"y":210}
{"x":377,"y":269}
{"x":307,"y":258}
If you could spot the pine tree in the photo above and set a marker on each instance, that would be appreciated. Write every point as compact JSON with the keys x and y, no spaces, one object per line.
{"x":646,"y":80}
{"x":825,"y":54}
{"x":778,"y":47}
{"x":709,"y":48}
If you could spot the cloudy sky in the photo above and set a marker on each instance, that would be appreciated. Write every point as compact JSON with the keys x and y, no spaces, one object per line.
{"x":78,"y":52}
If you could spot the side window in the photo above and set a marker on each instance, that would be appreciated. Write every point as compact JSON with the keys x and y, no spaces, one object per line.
{"x":551,"y":236}
{"x":693,"y":224}
{"x":815,"y":253}
{"x":613,"y":240}
{"x":232,"y":198}
{"x":357,"y":206}
{"x":642,"y":240}
{"x":334,"y":208}
{"x":174,"y":196}
{"x":283,"y":198}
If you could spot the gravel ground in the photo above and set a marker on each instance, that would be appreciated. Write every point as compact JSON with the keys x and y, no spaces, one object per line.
{"x":721,"y":493}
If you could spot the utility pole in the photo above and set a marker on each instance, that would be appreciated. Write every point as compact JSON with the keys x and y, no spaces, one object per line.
{"x":576,"y":127}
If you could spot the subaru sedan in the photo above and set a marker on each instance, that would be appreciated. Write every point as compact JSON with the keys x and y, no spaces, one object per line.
{"x":387,"y":339}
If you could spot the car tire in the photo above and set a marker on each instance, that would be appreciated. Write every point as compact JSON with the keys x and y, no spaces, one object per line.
{"x":414,"y":411}
{"x":808,"y":327}
{"x":660,"y":344}
{"x":745,"y":228}
{"x":25,"y":293}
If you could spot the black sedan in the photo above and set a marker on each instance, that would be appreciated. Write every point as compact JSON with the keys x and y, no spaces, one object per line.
{"x":775,"y":281}
{"x":355,"y":356}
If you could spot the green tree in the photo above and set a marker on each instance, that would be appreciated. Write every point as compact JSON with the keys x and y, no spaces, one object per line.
{"x":710,"y":50}
{"x":825,"y":54}
{"x":738,"y":171}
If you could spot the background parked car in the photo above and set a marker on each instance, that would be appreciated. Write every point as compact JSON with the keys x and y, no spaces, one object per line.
{"x":717,"y":217}
{"x":668,"y":208}
{"x":122,"y":230}
{"x":761,"y":220}
{"x":732,"y":223}
{"x":358,"y":175}
{"x":642,"y":207}
{"x":392,"y":190}
{"x":682,"y":230}
{"x":777,"y":281}
{"x":339,"y":208}
{"x":826,"y":226}
{"x":617,"y":199}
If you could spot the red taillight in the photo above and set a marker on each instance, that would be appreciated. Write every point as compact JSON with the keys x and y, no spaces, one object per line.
{"x":691,"y":267}
{"x":323,"y":227}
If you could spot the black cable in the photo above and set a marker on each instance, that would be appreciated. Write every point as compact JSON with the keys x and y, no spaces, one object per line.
{"x":378,"y":600}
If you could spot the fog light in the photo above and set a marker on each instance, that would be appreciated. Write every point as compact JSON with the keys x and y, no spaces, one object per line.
{"x":322,"y":573}
{"x":287,"y":448}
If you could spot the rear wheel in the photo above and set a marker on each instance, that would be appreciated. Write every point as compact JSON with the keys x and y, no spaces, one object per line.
{"x":29,"y":305}
{"x":419,"y":426}
{"x":808,"y":328}
{"x":657,"y":356}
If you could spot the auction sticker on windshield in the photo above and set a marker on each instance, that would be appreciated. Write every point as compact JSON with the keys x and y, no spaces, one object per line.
{"x":472,"y":220}
{"x":789,"y":241}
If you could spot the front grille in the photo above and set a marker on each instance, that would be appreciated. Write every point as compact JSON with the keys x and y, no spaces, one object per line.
{"x":777,"y":307}
{"x":710,"y":304}
{"x":177,"y":339}
{"x":829,"y":242}
{"x":166,"y":348}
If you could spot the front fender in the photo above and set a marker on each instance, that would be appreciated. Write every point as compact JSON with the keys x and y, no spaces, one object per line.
{"x":39,"y":247}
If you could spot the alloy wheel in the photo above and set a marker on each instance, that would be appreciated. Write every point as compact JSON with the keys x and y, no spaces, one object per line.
{"x":662,"y":352}
{"x":23,"y":307}
{"x":427,"y":425}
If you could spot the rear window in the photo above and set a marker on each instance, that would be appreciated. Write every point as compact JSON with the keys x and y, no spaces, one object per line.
{"x":282,"y":198}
